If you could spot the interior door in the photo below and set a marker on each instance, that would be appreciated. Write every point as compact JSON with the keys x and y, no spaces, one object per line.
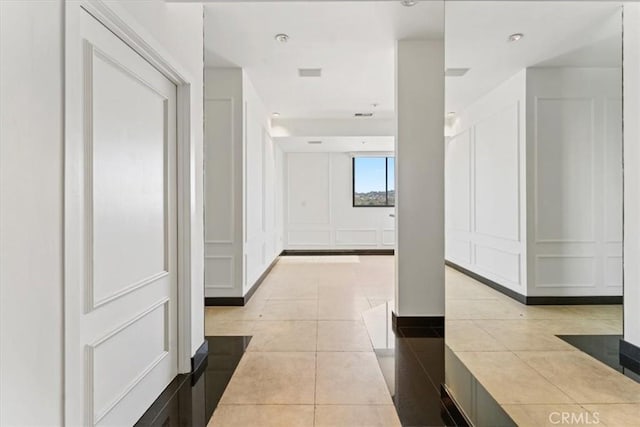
{"x":122,"y":321}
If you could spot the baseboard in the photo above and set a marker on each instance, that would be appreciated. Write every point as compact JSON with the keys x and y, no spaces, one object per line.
{"x":498,"y":287}
{"x":630,"y":356}
{"x":425,"y":322}
{"x":585,"y":300}
{"x":240,"y":301}
{"x":537,"y":300}
{"x":200,"y":356}
{"x":328,"y":252}
{"x":224,"y":301}
{"x":452,"y":409}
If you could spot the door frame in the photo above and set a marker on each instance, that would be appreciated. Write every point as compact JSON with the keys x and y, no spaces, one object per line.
{"x":137,"y":38}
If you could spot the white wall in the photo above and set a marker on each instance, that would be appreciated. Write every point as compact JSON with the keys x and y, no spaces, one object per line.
{"x":243,"y":230}
{"x":485,"y":187}
{"x":534,"y":184}
{"x":574,"y":162}
{"x":31,"y":197}
{"x":632,"y":173}
{"x":420,"y":178}
{"x":262,"y":236}
{"x":31,"y":147}
{"x":319,"y":212}
{"x":223,"y":187}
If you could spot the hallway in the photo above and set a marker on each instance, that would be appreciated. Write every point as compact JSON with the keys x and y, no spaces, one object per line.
{"x":309,"y":346}
{"x":306,"y":323}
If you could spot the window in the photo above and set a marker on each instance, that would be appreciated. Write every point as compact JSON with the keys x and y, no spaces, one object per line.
{"x":374,"y":181}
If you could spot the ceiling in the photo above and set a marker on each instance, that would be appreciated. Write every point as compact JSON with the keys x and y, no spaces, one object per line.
{"x":352,"y":41}
{"x":558,"y":33}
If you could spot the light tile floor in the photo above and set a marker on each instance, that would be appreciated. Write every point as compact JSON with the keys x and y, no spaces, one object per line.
{"x":311,"y":362}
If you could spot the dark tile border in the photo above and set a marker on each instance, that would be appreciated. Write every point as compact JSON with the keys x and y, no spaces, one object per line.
{"x":535,"y":300}
{"x":200,"y":356}
{"x":239,"y":301}
{"x":630,"y":356}
{"x":158,"y":408}
{"x":327,"y":252}
{"x":451,"y":411}
{"x":426,"y":323}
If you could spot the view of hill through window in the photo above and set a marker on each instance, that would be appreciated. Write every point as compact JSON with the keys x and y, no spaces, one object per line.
{"x":373,"y":181}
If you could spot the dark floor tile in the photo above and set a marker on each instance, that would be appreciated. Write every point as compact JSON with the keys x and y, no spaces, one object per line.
{"x":605,"y":348}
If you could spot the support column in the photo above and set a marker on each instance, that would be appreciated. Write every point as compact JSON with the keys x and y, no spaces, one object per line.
{"x":419,"y":298}
{"x":630,"y":345}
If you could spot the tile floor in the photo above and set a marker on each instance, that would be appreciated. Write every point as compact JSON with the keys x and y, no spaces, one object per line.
{"x":310,"y":361}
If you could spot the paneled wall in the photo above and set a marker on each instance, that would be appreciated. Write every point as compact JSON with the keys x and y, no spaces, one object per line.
{"x":262,"y":234}
{"x":485,"y":187}
{"x":318,"y":210}
{"x":574,"y":136}
{"x":534,"y":184}
{"x":242,"y":181}
{"x":223,"y":200}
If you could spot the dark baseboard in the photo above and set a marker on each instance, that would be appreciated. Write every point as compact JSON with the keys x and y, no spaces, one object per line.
{"x":586,"y":300}
{"x":224,"y":301}
{"x":535,"y":300}
{"x":508,"y":292}
{"x":417,"y":322}
{"x":239,"y":301}
{"x":630,"y":356}
{"x":200,"y":356}
{"x":452,"y":411}
{"x":322,"y":252}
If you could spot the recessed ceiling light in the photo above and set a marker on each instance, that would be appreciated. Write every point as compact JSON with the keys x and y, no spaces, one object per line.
{"x":282,"y":38}
{"x":275,"y":114}
{"x":515,"y":37}
{"x":409,"y":3}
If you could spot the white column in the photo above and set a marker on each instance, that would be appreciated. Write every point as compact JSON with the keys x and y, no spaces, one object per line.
{"x":632,"y":173}
{"x":420,"y":178}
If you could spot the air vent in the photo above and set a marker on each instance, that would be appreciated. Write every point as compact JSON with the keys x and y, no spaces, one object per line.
{"x":310,"y":72}
{"x":363,"y":114}
{"x":314,"y":142}
{"x":455,"y":72}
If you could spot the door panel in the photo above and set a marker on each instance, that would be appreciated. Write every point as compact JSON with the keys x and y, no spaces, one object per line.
{"x":127,"y":316}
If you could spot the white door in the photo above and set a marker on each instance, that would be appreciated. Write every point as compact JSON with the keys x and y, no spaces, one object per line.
{"x":121,"y":289}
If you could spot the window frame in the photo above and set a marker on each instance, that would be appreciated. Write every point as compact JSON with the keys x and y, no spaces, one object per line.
{"x":386,"y":181}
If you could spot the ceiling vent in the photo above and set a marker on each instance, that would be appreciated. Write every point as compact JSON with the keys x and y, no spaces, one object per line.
{"x":363,"y":114}
{"x":310,"y":72}
{"x":455,"y":72}
{"x":314,"y":142}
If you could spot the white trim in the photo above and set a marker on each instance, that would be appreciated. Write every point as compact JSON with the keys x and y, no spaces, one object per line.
{"x":138,"y":39}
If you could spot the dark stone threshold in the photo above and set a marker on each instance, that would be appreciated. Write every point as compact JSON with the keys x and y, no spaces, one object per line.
{"x":630,"y":357}
{"x":190,"y":399}
{"x":537,"y":300}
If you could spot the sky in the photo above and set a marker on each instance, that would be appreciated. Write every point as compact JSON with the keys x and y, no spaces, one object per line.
{"x":369,"y":174}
